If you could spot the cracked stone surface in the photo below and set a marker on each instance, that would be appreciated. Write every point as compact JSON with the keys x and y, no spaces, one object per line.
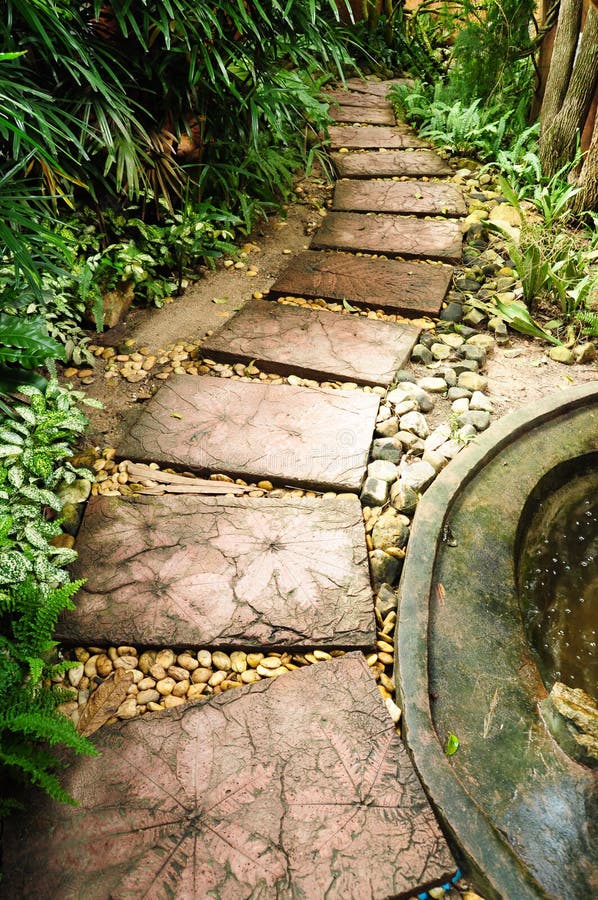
{"x":293,"y":435}
{"x":387,"y":165}
{"x":294,"y":787}
{"x":407,"y":197}
{"x":314,"y":343}
{"x":375,"y":88}
{"x":354,"y":98}
{"x":371,"y":136}
{"x":415,"y":288}
{"x":395,"y":235}
{"x":376,"y":115}
{"x":185,"y":570}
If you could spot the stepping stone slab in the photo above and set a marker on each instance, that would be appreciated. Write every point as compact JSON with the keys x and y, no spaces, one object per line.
{"x":364,"y":113}
{"x":355,"y":98}
{"x":406,"y":197}
{"x":411,"y":288}
{"x":222,"y":571}
{"x":314,"y":343}
{"x":294,"y":435}
{"x":393,"y":235}
{"x":388,"y":165}
{"x":368,"y":136}
{"x":298,"y":786}
{"x":375,"y":88}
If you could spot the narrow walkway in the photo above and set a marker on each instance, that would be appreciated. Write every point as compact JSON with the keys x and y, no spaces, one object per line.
{"x":289,"y":787}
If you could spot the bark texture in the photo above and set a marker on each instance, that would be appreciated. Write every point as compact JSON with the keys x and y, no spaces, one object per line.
{"x":587,"y":199}
{"x":559,"y":136}
{"x":563,"y":56}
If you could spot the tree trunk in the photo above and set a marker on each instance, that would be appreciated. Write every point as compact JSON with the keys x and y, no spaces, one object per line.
{"x":559,"y":135}
{"x":587,"y":199}
{"x":563,"y":55}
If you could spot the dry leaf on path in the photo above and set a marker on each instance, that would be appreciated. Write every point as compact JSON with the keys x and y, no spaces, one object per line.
{"x":104,"y":702}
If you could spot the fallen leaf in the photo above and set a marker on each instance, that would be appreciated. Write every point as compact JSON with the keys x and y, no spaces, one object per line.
{"x":452,"y":744}
{"x":104,"y":701}
{"x":175,"y":416}
{"x":219,"y":299}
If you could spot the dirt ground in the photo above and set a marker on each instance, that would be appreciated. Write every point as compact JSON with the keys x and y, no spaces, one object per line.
{"x":206,"y":304}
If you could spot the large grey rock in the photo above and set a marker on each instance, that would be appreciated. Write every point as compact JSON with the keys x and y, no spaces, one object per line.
{"x":472,"y":381}
{"x":374,"y":492}
{"x":403,"y":498}
{"x":406,"y":389}
{"x":478,"y":418}
{"x":384,"y":568}
{"x":416,"y":423}
{"x":382,"y":469}
{"x":417,"y":475}
{"x":390,"y":530}
{"x":388,"y":448}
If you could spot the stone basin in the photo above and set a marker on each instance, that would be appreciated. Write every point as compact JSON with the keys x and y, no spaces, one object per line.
{"x":520,"y":810}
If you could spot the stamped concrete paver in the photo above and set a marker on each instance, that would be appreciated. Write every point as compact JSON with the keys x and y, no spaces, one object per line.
{"x":395,"y":163}
{"x":412,"y":288}
{"x":406,"y":197}
{"x":314,"y":343}
{"x":294,"y":435}
{"x":375,"y":88}
{"x":372,"y":115}
{"x":367,"y":136}
{"x":355,"y":98}
{"x":294,"y":787}
{"x":393,"y":235}
{"x":222,"y":571}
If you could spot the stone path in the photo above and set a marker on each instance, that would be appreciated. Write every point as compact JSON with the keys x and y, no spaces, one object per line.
{"x":405,"y":197}
{"x":298,"y":786}
{"x":393,"y":164}
{"x":314,"y":343}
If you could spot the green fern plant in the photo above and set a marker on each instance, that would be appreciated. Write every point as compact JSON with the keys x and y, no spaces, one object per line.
{"x":37,"y":434}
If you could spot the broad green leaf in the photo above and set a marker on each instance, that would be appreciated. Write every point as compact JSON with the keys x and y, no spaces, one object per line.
{"x":452,"y":744}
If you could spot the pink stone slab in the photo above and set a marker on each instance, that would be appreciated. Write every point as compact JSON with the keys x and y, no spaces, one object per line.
{"x":375,"y":88}
{"x":186,"y":570}
{"x":294,"y":435}
{"x":398,"y":137}
{"x":406,"y":197}
{"x":293,"y":787}
{"x":372,"y":115}
{"x":391,"y":235}
{"x":370,"y":164}
{"x":351,"y":98}
{"x":411,"y":288}
{"x":314,"y":343}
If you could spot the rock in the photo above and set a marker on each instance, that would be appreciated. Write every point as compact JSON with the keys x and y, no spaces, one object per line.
{"x":585,"y":353}
{"x":416,"y":423}
{"x":201,"y":675}
{"x":388,"y":448}
{"x":77,"y":492}
{"x":433,"y":385}
{"x":125,"y":662}
{"x":486,"y":341}
{"x":466,"y":365}
{"x":386,"y":600}
{"x":157,"y":672}
{"x":374,"y":492}
{"x":165,"y":658}
{"x":204,"y":658}
{"x":572,"y":716}
{"x":254,"y":659}
{"x":146,"y":661}
{"x":453,"y":312}
{"x":437,"y":437}
{"x":165,"y":686}
{"x":195,"y":691}
{"x":478,"y":418}
{"x":406,"y":406}
{"x":481,"y":401}
{"x":221,"y":661}
{"x":188,"y":662}
{"x":394,"y":711}
{"x":456,"y":393}
{"x":472,"y":381}
{"x":382,"y":469}
{"x":238,"y":661}
{"x":75,"y":674}
{"x":449,"y":375}
{"x":435,"y":459}
{"x":440,"y":351}
{"x":562,"y":355}
{"x":477,"y":354}
{"x":388,"y":428}
{"x":404,"y":375}
{"x":403,"y":498}
{"x":103,"y":665}
{"x":170,"y":701}
{"x":410,"y":442}
{"x":178,"y":673}
{"x":148,"y":696}
{"x":421,"y":354}
{"x":474,"y":317}
{"x":391,"y":530}
{"x":450,"y":449}
{"x":127,"y":709}
{"x":460,"y":406}
{"x":417,"y":475}
{"x":407,"y":389}
{"x":384,"y":568}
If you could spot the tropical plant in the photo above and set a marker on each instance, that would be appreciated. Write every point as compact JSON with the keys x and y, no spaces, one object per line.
{"x":36,"y":439}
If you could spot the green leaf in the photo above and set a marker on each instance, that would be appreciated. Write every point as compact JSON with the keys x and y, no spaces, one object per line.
{"x":9,"y":450}
{"x":220,"y":300}
{"x":14,"y":567}
{"x":452,"y":744}
{"x":41,"y":495}
{"x":516,"y":314}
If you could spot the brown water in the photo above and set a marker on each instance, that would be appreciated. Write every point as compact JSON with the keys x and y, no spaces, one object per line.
{"x":558,"y":578}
